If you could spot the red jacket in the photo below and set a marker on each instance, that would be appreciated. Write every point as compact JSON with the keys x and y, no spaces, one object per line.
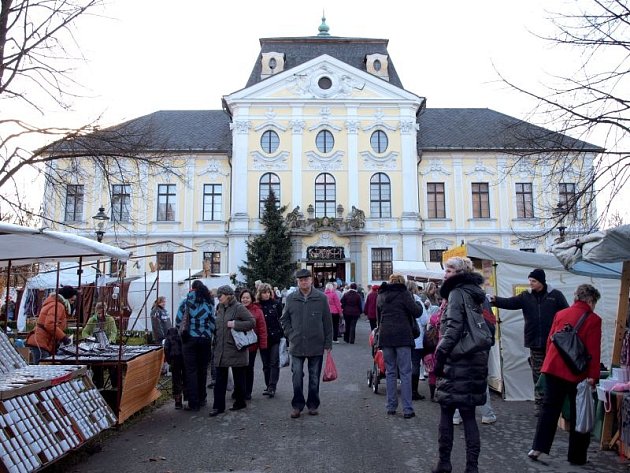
{"x":370,"y":303}
{"x":260,"y":328}
{"x":51,"y":323}
{"x":590,"y":333}
{"x":333,"y":301}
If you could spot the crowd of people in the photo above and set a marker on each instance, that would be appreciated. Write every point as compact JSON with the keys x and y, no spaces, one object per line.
{"x":442,"y":334}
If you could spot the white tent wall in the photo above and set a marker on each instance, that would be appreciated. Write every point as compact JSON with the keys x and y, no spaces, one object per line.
{"x":174,"y":285}
{"x":516,"y":374}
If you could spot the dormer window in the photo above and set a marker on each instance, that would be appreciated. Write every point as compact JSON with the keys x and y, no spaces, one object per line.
{"x":376,"y":64}
{"x":270,"y":64}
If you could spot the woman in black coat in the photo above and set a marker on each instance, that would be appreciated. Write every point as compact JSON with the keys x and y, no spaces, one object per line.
{"x":461,"y":381}
{"x":396,"y":313}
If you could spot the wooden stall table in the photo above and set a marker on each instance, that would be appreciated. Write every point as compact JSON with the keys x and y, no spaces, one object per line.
{"x":139,"y":372}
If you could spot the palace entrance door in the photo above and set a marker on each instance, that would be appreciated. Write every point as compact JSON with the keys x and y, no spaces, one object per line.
{"x":327,"y":263}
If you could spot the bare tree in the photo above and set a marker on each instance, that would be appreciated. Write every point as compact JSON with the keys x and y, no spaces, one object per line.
{"x":591,"y":103}
{"x":38,"y":50}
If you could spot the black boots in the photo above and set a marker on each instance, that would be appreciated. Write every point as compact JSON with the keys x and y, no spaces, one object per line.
{"x":443,"y":467}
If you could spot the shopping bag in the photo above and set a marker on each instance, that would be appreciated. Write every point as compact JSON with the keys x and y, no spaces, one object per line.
{"x":584,"y":408}
{"x":284,"y":353}
{"x":330,"y":370}
{"x":342,"y":326}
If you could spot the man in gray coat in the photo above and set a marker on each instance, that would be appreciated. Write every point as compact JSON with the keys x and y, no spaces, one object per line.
{"x":307,"y":324}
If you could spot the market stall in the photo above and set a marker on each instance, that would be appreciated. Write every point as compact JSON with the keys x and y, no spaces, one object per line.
{"x":607,"y":253}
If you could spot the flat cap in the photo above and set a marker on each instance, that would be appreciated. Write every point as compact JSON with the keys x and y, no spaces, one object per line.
{"x":303,"y":273}
{"x":225,"y":290}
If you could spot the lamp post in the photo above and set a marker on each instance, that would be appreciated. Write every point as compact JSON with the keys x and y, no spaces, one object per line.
{"x":101,"y":221}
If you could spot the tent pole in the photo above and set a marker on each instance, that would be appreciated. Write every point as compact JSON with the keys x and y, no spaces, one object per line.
{"x":622,"y":314}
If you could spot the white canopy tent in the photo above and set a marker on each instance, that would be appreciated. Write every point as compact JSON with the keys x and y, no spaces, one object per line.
{"x":603,"y":253}
{"x":509,"y":368}
{"x":24,"y":245}
{"x":418,"y":269}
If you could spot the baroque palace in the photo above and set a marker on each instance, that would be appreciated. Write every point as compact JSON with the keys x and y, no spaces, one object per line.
{"x":370,"y":175}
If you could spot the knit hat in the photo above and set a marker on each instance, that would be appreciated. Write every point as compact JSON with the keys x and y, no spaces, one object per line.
{"x":67,"y":292}
{"x":225,"y":290}
{"x":539,"y":275}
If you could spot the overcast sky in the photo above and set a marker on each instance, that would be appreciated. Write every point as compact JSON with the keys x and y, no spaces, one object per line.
{"x":148,"y":55}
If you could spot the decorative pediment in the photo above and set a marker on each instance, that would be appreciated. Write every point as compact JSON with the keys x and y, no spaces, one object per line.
{"x":213,"y":169}
{"x":486,"y":241}
{"x":327,"y":239}
{"x":379,"y":122}
{"x":262,"y":162}
{"x":437,"y":244}
{"x":323,"y":77}
{"x":325,"y":163}
{"x":211,"y":245}
{"x":375,"y":162}
{"x":325,"y":121}
{"x":436,"y":166}
{"x":270,"y":122}
{"x":481,"y":170}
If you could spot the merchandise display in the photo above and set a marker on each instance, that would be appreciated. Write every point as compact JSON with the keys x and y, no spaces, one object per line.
{"x":45,"y":411}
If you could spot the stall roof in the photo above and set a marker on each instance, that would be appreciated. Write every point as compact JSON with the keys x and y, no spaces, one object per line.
{"x":600,"y":254}
{"x":24,"y":245}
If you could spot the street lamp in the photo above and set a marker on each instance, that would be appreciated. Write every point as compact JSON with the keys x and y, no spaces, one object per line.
{"x":101,"y":221}
{"x":559,"y":212}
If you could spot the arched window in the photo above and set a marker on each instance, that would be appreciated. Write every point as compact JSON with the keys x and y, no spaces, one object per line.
{"x":325,"y":195}
{"x":325,"y":141}
{"x":268,"y":182}
{"x":379,"y":141}
{"x":269,"y":141}
{"x":380,"y":196}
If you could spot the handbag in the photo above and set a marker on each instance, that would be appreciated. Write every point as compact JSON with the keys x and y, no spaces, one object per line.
{"x":244,"y":339}
{"x":284,"y":353}
{"x":476,"y":335}
{"x":184,"y":325}
{"x":571,"y":347}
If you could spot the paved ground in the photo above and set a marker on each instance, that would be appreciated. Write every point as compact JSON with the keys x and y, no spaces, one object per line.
{"x":351,"y":434}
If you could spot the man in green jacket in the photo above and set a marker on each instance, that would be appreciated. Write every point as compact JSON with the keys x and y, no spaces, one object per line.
{"x":307,"y":324}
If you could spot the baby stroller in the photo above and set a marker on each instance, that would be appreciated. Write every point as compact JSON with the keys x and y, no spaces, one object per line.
{"x":377,"y":373}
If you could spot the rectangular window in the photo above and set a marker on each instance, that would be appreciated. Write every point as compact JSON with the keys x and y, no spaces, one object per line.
{"x":213,"y":261}
{"x":436,"y":200}
{"x":382,"y":263}
{"x":481,"y":199}
{"x":121,"y":202}
{"x":435,"y":256}
{"x":165,"y":260}
{"x":74,"y":203}
{"x":524,"y":200}
{"x":567,"y":198}
{"x":212,"y":202}
{"x":528,"y":250}
{"x":167,"y":194}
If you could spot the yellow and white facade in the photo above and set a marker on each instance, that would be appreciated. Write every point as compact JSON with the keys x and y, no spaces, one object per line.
{"x":368,"y":173}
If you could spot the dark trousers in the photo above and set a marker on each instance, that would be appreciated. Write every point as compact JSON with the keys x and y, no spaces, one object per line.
{"x":335,"y":319}
{"x":314,"y":375}
{"x":556,"y":389}
{"x":372,"y":324}
{"x":249,"y":372}
{"x":351,"y":326}
{"x":196,"y":353}
{"x":536,"y":358}
{"x":220,"y":386}
{"x":178,"y":374}
{"x":271,"y":364}
{"x":471,"y":433}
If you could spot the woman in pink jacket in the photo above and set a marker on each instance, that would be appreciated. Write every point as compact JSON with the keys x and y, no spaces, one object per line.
{"x":335,"y":308}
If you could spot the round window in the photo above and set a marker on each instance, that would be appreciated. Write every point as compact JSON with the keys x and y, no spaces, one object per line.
{"x":379,"y":141}
{"x":324,"y":83}
{"x":377,"y":65}
{"x":325,"y":141}
{"x":269,"y":141}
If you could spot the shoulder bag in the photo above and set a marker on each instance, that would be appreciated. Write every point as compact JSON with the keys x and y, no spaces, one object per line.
{"x":571,"y":347}
{"x":475,"y":337}
{"x":244,"y":339}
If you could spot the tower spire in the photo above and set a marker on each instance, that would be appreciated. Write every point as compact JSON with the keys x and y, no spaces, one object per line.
{"x":323,"y":28}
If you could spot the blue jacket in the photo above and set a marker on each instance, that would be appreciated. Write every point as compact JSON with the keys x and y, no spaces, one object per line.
{"x":202,"y":316}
